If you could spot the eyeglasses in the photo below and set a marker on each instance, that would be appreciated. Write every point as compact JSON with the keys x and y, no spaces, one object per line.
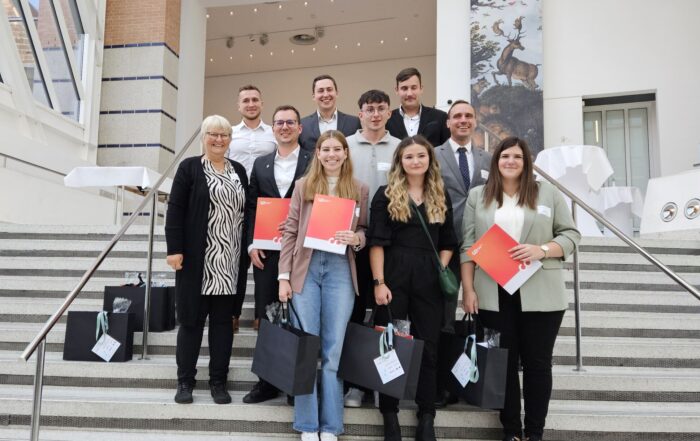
{"x":219,"y":135}
{"x":282,"y":122}
{"x":373,"y":110}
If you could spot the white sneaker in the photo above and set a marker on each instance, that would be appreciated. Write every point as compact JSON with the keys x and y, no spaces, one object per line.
{"x":353,"y":398}
{"x":325,"y":436}
{"x":309,"y":436}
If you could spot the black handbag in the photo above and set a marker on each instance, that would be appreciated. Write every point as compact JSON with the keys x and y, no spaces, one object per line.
{"x":449,"y":285}
{"x":162,"y":312}
{"x":285,"y":356}
{"x":80,"y":335}
{"x":488,"y":390}
{"x":361,"y":347}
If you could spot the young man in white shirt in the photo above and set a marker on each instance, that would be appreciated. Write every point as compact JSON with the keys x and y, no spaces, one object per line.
{"x":251,"y":138}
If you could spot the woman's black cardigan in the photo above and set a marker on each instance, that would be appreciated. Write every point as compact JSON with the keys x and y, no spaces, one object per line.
{"x":186,"y":234}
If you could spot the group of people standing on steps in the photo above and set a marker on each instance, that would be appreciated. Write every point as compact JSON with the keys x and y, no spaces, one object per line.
{"x":399,"y":166}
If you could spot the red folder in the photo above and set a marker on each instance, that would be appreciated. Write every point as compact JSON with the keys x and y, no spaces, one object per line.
{"x":268,"y":215}
{"x":329,"y":214}
{"x":490,"y":252}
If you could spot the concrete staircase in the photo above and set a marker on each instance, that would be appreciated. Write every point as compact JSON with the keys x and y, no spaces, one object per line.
{"x":641,"y":351}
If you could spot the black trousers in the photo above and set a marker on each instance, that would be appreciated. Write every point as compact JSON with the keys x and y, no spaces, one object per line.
{"x":189,"y":340}
{"x":413,"y":280}
{"x":266,"y":284}
{"x":529,"y":337}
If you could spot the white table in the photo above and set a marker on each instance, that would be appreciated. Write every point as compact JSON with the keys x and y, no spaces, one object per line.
{"x":620,"y":205}
{"x":119,"y":177}
{"x":583,"y":169}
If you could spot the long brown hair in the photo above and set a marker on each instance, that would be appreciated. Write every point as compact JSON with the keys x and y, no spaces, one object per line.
{"x":527,"y":187}
{"x":316,"y":180}
{"x":433,"y":187}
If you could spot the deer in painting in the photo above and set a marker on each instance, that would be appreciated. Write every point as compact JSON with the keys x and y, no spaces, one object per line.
{"x":511,"y":66}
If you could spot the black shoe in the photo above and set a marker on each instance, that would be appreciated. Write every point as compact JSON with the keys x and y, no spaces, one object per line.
{"x":184,"y":393}
{"x":425,"y":431}
{"x":290,"y":400}
{"x":445,"y":398}
{"x":392,"y":430}
{"x":511,"y":438}
{"x":219,"y":393}
{"x":262,"y":391}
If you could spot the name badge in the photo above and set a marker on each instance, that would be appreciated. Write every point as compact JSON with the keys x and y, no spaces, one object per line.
{"x":484,"y":174}
{"x":544,"y":210}
{"x":383,"y":166}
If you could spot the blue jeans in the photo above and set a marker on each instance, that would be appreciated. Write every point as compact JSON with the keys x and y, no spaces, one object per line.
{"x":324,"y":307}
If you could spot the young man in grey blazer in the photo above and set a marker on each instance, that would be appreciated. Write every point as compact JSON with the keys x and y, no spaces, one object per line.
{"x":463,"y":167}
{"x":327,"y":116}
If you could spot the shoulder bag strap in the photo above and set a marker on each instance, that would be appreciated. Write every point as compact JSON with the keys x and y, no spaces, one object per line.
{"x":427,"y":233}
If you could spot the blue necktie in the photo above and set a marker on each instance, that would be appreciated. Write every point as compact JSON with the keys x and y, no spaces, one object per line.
{"x":464,"y":167}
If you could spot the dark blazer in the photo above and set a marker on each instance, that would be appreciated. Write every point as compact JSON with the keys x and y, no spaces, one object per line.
{"x":347,"y":124}
{"x":432,"y":125}
{"x":452,"y":177}
{"x":186,"y":233}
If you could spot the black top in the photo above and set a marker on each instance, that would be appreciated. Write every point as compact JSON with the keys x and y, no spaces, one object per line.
{"x":432,"y":125}
{"x":385,"y":232}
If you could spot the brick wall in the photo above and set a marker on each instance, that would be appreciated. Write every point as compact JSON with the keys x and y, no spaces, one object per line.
{"x":138,"y":21}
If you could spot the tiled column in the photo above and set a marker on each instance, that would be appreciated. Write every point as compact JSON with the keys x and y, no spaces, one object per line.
{"x":139,"y":83}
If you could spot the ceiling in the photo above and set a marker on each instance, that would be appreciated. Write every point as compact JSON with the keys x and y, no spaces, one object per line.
{"x":354,"y":31}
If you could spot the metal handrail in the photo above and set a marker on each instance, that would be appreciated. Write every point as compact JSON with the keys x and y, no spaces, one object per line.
{"x":39,"y":340}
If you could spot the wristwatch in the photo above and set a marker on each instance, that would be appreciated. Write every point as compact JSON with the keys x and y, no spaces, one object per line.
{"x":545,"y":248}
{"x":378,"y":282}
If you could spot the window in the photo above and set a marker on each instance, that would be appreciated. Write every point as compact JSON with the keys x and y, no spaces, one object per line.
{"x":27,"y":51}
{"x":76,"y":33}
{"x":44,"y":16}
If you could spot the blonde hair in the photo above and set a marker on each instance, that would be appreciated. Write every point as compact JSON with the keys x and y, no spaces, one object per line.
{"x":213,"y":122}
{"x":316,"y":181}
{"x":433,"y":187}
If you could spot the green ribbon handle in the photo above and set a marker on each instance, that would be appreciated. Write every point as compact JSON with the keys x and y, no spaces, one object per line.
{"x":102,"y":324}
{"x":386,"y":340}
{"x":473,"y":376}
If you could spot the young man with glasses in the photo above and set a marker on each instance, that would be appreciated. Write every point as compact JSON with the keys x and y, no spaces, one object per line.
{"x":412,"y":117}
{"x":327,"y":116}
{"x":273,"y":176}
{"x":372,"y":148}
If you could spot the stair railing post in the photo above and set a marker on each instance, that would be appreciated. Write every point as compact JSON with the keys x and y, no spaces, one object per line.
{"x":38,"y":386}
{"x":577,"y":299}
{"x":149,"y":277}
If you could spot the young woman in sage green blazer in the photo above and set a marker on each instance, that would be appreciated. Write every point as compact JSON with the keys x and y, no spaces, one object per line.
{"x":536,"y":215}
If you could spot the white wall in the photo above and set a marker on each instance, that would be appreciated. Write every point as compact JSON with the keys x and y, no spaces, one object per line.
{"x":294,"y":86}
{"x":453,"y":53}
{"x":603,"y":48}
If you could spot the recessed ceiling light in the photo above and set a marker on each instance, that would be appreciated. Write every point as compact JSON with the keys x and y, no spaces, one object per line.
{"x":292,"y":51}
{"x":230,"y":12}
{"x":207,"y":15}
{"x":251,"y":55}
{"x":211,"y":60}
{"x":272,"y":53}
{"x":306,"y":3}
{"x":313,"y":49}
{"x":255,"y":10}
{"x":381,"y":41}
{"x":335,"y":47}
{"x":280,"y":6}
{"x":405,"y":38}
{"x":230,"y":58}
{"x":358,"y":44}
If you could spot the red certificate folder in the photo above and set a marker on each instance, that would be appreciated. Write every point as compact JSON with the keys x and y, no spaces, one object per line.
{"x":490,"y":252}
{"x":329,"y":214}
{"x":268,"y":215}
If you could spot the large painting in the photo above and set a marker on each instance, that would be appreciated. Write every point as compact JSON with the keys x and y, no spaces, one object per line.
{"x":506,"y":71}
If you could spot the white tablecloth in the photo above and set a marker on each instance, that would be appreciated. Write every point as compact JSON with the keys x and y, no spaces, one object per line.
{"x":115,"y":176}
{"x":582,"y":169}
{"x":619,"y":205}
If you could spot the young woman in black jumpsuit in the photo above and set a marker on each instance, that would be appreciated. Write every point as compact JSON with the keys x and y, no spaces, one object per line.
{"x":405,"y":268}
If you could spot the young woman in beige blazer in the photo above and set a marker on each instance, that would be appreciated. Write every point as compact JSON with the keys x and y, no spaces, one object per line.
{"x":322,"y":285}
{"x":534,"y":214}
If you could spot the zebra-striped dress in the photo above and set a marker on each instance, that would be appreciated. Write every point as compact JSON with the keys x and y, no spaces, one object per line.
{"x":224,"y":231}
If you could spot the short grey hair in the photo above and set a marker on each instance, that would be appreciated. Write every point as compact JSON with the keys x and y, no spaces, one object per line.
{"x":214,"y":122}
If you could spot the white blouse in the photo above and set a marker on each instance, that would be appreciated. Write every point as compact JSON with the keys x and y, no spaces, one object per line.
{"x":510,"y":216}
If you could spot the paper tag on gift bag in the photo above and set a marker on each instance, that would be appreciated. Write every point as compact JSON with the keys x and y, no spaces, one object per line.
{"x":461,"y":369}
{"x":105,"y":347}
{"x":388,"y":366}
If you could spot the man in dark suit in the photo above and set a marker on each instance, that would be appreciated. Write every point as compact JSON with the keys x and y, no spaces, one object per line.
{"x":327,"y":116}
{"x":413,"y":118}
{"x":273,"y":176}
{"x":463,"y":167}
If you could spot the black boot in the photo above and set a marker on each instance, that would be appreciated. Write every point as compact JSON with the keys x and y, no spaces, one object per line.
{"x":392,"y":430}
{"x":425,"y":431}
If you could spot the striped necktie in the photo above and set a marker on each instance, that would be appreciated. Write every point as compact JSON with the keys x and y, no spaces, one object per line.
{"x":464,"y":167}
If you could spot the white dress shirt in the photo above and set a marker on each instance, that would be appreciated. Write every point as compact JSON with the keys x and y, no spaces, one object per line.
{"x":510,"y":216}
{"x":327,"y":124}
{"x":411,"y":122}
{"x":284,"y":170}
{"x":470,"y":156}
{"x":248,"y":144}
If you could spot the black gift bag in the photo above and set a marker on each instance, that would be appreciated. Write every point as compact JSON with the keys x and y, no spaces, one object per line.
{"x":162,"y":315}
{"x":80,"y":335}
{"x":286,"y":357}
{"x":490,"y":389}
{"x":361,"y":347}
